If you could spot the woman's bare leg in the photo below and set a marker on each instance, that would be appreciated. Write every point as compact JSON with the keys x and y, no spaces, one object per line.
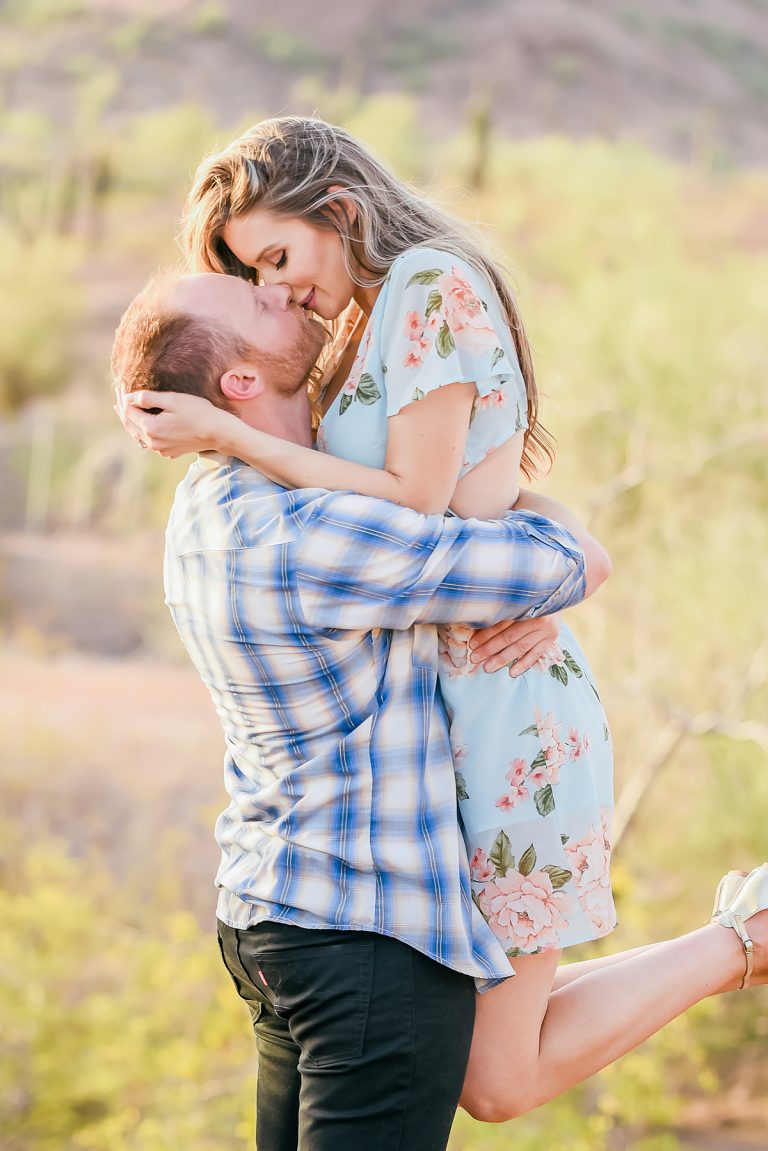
{"x":531,"y":1042}
{"x":568,"y":972}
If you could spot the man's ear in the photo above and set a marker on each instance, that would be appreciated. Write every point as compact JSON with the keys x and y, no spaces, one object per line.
{"x":241,"y":383}
{"x":343,"y":202}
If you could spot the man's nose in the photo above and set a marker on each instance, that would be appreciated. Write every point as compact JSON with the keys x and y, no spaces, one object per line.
{"x":279,"y":295}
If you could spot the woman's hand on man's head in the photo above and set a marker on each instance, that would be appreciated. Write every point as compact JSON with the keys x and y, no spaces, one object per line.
{"x":173,"y":424}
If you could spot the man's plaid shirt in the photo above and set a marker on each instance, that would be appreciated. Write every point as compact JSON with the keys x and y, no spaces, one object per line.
{"x":310,"y":617}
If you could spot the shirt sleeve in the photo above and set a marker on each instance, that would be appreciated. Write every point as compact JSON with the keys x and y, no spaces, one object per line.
{"x":443,"y":324}
{"x":361,"y":563}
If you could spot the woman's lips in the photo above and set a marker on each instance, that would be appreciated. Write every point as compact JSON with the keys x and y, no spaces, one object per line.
{"x":309,"y":300}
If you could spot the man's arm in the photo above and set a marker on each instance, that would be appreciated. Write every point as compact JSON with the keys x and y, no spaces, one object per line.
{"x":362,"y":563}
{"x":598,"y":562}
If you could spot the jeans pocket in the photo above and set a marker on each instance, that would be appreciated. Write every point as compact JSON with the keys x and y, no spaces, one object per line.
{"x":323,"y":991}
{"x":237,"y":973}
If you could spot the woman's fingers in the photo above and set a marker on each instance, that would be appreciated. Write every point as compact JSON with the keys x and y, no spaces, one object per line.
{"x":155,"y":400}
{"x":147,"y":431}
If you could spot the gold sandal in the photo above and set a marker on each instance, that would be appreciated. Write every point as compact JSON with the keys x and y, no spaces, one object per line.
{"x":750,"y":896}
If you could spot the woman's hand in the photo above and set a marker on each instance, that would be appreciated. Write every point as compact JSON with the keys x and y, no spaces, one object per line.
{"x":173,"y":423}
{"x":516,"y":645}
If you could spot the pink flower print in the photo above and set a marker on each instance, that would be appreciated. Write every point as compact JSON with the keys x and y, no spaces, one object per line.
{"x":552,"y":657}
{"x":414,"y":325}
{"x":590,"y":859}
{"x":459,"y":748}
{"x":525,"y":910}
{"x":356,"y":371}
{"x":516,"y":776}
{"x":577,"y":745}
{"x":465,"y":314}
{"x":606,"y":825}
{"x":601,"y":916}
{"x":509,"y":802}
{"x":494,"y":399}
{"x":481,"y":867}
{"x":453,"y":650}
{"x":412,"y":359}
{"x":432,"y":324}
{"x":547,"y":727}
{"x":549,"y":734}
{"x":549,"y":770}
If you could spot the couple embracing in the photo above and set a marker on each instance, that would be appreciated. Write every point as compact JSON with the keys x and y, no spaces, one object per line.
{"x":418,"y":763}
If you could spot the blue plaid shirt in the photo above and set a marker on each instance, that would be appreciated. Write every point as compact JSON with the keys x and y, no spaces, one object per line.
{"x":310,"y":617}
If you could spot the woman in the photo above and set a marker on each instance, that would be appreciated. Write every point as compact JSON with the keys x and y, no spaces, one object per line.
{"x":429,"y":400}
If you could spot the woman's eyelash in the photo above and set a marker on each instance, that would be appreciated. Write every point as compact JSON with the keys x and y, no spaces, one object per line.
{"x":281,"y":262}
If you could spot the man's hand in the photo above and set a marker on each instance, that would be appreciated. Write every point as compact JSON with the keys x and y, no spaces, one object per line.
{"x":516,"y":645}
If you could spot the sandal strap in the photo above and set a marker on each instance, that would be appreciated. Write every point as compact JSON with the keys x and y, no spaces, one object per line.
{"x":749,"y":949}
{"x":730,"y":919}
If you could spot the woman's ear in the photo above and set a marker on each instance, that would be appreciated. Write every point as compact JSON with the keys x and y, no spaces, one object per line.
{"x":241,"y":384}
{"x":343,"y":203}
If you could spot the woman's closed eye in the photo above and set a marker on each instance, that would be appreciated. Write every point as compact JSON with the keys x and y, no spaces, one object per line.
{"x":279,"y":264}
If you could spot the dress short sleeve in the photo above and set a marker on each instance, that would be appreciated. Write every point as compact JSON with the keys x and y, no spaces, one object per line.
{"x":443,"y":324}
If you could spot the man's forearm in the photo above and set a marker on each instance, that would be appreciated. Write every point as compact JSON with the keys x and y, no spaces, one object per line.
{"x":597,"y":559}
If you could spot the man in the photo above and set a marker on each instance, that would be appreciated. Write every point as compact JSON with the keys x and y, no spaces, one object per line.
{"x":345,"y":911}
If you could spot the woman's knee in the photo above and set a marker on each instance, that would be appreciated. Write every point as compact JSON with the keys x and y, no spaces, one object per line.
{"x":498,"y":1102}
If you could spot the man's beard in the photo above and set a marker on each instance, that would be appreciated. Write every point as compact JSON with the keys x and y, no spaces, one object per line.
{"x":289,"y":370}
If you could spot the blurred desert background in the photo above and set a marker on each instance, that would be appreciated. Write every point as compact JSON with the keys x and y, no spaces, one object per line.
{"x":617,"y":153}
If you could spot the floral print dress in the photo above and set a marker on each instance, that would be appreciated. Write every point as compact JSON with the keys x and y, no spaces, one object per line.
{"x":534,"y":767}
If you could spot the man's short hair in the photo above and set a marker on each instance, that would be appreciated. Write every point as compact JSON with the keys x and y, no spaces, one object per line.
{"x":163,"y":349}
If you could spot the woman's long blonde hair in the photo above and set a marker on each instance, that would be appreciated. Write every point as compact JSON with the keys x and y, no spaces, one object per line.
{"x":294,"y":166}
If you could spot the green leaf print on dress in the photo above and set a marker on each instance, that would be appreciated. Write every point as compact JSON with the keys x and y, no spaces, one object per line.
{"x":558,"y":662}
{"x":461,"y":786}
{"x":501,"y":855}
{"x":365,"y":391}
{"x":445,"y":343}
{"x":545,"y":800}
{"x":360,"y":385}
{"x":429,"y":276}
{"x":434,"y":303}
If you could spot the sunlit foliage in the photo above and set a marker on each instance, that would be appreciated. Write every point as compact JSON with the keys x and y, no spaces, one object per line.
{"x":644,"y":286}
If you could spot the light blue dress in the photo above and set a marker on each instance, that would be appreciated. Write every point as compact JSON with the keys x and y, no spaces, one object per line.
{"x":533,"y":758}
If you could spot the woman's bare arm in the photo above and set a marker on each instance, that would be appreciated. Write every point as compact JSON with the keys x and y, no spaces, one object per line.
{"x":425,"y":447}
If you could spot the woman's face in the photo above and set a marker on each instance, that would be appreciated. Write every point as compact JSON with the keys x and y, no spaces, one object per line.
{"x":288,"y":250}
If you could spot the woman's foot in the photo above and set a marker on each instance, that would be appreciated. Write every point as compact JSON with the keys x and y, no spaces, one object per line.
{"x":748,"y":903}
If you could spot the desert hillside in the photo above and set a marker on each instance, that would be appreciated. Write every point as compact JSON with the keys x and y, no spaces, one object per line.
{"x":685,"y":77}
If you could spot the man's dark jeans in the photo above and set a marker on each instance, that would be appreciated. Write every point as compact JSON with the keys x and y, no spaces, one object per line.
{"x":362,"y":1041}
